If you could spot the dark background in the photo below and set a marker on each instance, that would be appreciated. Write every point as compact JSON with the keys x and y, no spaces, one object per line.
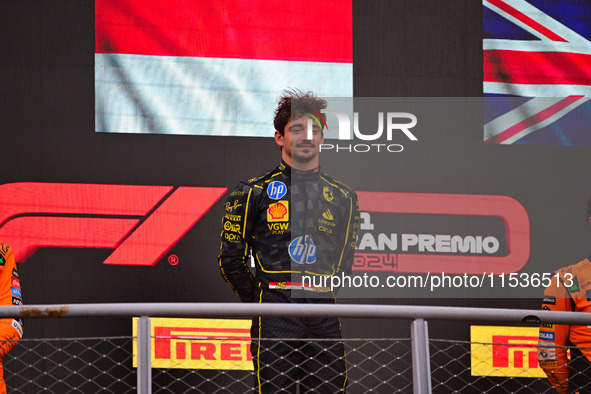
{"x":410,"y":48}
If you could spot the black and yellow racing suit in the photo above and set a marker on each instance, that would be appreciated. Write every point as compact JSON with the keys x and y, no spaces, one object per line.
{"x":297,"y":225}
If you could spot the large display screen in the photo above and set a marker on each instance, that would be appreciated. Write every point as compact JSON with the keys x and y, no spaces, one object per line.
{"x":214,"y":67}
{"x":538,"y":49}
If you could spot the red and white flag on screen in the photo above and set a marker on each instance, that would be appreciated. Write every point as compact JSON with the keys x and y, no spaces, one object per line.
{"x":215,"y":67}
{"x":540,"y":49}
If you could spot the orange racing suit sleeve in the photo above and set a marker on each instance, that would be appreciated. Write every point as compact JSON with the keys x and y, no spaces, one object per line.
{"x":554,"y":338}
{"x":11,"y":330}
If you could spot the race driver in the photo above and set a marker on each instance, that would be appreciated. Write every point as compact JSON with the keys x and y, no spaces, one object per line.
{"x":11,"y":330}
{"x":295,"y":221}
{"x":569,"y":291}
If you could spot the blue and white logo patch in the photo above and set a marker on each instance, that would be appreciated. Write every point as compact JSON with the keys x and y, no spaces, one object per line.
{"x":302,"y":250}
{"x":548,"y":336}
{"x":16,"y":292}
{"x":276,"y":190}
{"x":17,"y":325}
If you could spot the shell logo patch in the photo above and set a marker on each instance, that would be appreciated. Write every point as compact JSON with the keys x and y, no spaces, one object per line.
{"x":278,"y":212}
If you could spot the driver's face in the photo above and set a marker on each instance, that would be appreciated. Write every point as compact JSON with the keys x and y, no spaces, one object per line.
{"x":296,"y":142}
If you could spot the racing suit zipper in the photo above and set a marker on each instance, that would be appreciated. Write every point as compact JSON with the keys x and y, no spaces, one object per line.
{"x":307,"y":230}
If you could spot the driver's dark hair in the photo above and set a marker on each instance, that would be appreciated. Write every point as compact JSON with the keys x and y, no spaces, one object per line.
{"x":293,"y":104}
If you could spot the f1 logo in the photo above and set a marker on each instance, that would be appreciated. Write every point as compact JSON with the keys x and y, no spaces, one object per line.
{"x":142,"y":223}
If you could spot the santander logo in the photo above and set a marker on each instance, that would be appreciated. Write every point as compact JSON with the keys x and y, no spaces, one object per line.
{"x":141,"y":223}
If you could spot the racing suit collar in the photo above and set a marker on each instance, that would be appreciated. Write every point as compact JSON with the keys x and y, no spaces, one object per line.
{"x":302,"y":175}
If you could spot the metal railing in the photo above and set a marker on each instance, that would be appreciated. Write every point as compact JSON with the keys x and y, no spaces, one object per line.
{"x":419,"y":377}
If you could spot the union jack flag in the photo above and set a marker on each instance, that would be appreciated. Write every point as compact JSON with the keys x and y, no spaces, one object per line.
{"x":539,"y":49}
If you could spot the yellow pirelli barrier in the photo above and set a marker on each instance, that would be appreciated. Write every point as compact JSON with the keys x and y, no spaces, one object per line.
{"x":198,"y":343}
{"x":505,"y":351}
